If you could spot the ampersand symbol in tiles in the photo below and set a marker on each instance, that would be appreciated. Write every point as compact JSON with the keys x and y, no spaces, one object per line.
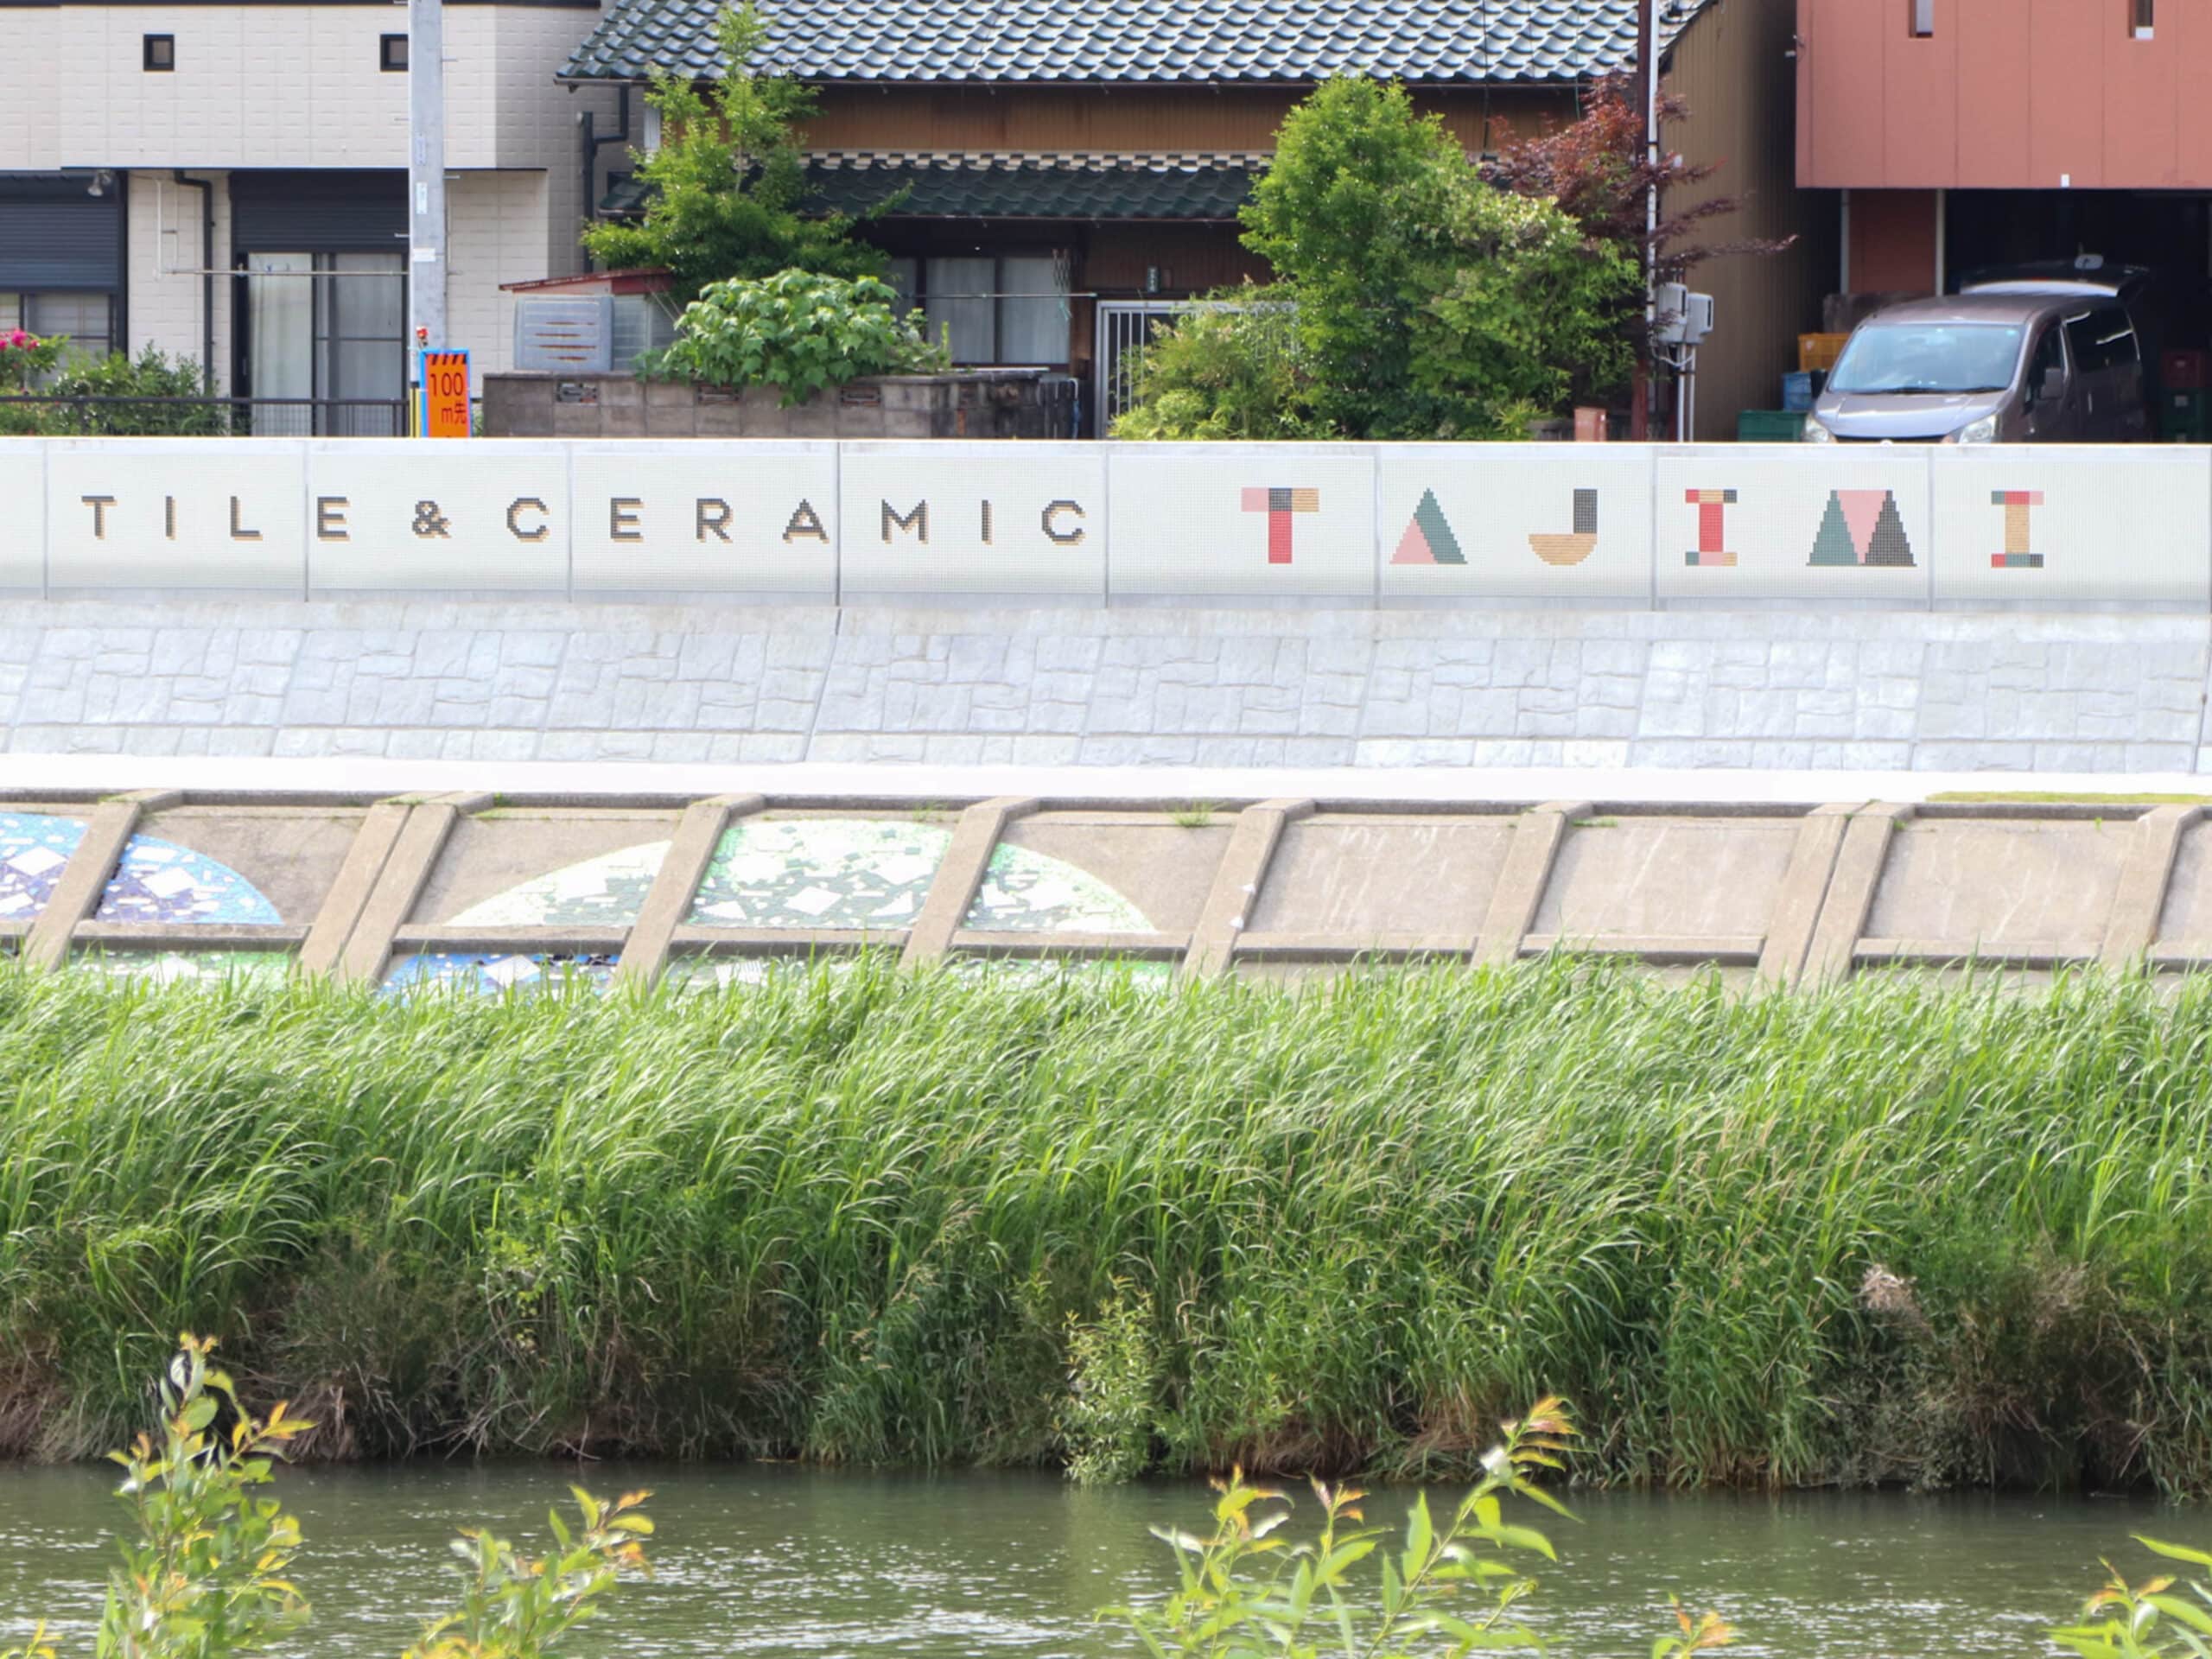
{"x":429,"y":522}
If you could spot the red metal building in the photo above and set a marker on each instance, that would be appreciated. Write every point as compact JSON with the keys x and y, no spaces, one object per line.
{"x":1966,"y":132}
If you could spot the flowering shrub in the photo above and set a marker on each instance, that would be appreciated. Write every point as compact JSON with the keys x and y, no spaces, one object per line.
{"x":24,"y":357}
{"x":796,"y":331}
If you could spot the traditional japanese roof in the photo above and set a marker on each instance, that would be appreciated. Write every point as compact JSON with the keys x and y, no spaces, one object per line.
{"x":1000,"y":184}
{"x":1016,"y":184}
{"x":1430,"y":42}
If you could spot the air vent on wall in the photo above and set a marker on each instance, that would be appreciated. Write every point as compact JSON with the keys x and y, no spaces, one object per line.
{"x":575,"y":336}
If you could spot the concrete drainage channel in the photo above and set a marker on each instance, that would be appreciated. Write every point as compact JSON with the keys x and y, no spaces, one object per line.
{"x":503,"y":891}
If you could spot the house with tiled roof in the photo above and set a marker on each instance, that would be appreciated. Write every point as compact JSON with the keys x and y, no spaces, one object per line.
{"x":1065,"y":163}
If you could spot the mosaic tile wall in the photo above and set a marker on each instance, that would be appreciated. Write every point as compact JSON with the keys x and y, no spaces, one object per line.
{"x":1027,"y":892}
{"x":159,"y":883}
{"x":820,"y":873}
{"x":807,"y":891}
{"x":494,"y":974}
{"x":33,"y":849}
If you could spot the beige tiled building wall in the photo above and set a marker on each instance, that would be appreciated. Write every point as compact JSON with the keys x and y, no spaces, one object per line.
{"x":30,"y":98}
{"x":299,"y":87}
{"x":163,"y":257}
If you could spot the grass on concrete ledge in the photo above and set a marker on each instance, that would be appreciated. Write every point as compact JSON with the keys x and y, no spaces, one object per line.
{"x":2064,"y":797}
{"x":1892,"y":1232}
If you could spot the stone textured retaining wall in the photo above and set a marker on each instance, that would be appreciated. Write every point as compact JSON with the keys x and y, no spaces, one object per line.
{"x":972,"y":404}
{"x":1884,"y":690}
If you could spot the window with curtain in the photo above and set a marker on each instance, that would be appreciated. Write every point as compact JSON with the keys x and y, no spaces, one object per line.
{"x":1032,"y":310}
{"x":1009,"y":309}
{"x":280,"y":325}
{"x":958,"y":300}
{"x":86,"y":320}
{"x":332,"y":326}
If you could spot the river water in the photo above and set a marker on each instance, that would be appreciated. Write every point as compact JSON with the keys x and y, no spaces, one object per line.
{"x":771,"y":1559}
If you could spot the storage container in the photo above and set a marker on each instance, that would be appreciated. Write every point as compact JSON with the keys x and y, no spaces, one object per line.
{"x":1801,"y":389}
{"x":1770,"y":425}
{"x":1819,"y":351}
{"x":2185,"y":370}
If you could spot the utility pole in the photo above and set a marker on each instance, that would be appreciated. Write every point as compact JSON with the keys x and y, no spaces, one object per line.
{"x":426,"y":182}
{"x":1647,"y":102}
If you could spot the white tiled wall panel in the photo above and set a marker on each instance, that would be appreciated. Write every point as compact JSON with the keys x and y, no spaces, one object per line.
{"x":166,"y":297}
{"x":30,"y":99}
{"x":281,"y":85}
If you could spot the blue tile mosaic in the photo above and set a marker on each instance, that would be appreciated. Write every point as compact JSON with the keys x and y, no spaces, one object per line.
{"x":33,"y":849}
{"x":187,"y":967}
{"x":159,"y":882}
{"x":493,"y":974}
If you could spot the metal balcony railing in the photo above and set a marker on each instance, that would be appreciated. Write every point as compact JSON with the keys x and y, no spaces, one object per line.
{"x":32,"y":415}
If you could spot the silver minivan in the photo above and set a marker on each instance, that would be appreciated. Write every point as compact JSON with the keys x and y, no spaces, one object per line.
{"x":2025,"y":360}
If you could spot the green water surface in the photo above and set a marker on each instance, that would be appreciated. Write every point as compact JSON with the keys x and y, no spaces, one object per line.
{"x":770,"y":1560}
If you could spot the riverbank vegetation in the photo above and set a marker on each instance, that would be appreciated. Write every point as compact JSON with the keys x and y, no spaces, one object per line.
{"x":204,"y":1569}
{"x":1892,"y":1233}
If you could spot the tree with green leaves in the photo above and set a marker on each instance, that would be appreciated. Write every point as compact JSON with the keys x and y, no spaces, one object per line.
{"x":1427,"y":304}
{"x":726,"y":186}
{"x":1355,"y":216}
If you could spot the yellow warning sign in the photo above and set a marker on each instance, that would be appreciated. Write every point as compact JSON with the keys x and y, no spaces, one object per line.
{"x":445,"y":408}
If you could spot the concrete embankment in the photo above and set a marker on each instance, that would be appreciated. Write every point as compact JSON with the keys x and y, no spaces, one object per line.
{"x":531,"y":680}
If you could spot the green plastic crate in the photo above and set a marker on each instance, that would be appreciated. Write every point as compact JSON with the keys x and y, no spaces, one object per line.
{"x":1770,"y":425}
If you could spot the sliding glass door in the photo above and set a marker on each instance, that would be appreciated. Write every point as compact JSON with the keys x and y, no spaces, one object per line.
{"x":332,"y":328}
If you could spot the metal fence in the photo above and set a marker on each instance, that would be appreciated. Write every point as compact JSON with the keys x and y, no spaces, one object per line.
{"x":204,"y":417}
{"x":1125,"y":329}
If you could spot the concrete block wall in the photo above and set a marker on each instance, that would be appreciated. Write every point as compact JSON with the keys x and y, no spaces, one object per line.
{"x":1026,"y":403}
{"x":542,"y":680}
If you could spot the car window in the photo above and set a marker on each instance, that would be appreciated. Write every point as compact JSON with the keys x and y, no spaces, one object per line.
{"x":2050,"y":355}
{"x":1928,"y":357}
{"x":2101,"y":339}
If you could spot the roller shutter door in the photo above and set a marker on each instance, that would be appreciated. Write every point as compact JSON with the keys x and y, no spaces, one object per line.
{"x":55,"y":237}
{"x":326,"y":211}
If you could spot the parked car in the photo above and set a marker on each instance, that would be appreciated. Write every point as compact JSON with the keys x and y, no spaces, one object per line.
{"x":2036,"y":355}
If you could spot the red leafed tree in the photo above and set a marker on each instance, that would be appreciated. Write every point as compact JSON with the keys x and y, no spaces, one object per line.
{"x":1597,"y":170}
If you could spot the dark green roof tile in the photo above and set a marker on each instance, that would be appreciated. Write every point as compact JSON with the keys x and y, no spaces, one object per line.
{"x":997,"y":184}
{"x":1070,"y":41}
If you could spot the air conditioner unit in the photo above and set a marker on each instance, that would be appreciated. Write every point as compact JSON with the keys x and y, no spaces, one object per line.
{"x":1684,"y":318}
{"x":1697,"y":322}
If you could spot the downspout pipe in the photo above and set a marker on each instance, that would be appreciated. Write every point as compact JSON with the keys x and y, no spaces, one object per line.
{"x":593,"y":143}
{"x":207,"y":189}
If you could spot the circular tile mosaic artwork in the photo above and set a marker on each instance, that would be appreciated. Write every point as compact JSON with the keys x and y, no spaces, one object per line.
{"x":188,"y":966}
{"x":1035,"y":893}
{"x":33,"y":849}
{"x":855,"y":874}
{"x":848,"y":873}
{"x":492,"y":974}
{"x":604,"y":891}
{"x":158,"y":881}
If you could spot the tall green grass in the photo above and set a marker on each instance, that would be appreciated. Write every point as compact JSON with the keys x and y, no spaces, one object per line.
{"x":1892,"y":1232}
